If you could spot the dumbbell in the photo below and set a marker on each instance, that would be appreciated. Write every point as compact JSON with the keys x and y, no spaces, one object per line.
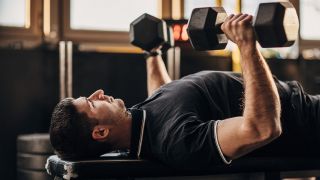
{"x":276,"y":24}
{"x":148,"y":32}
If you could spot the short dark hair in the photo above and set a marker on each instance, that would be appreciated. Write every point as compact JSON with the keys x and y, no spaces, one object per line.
{"x":70,"y":133}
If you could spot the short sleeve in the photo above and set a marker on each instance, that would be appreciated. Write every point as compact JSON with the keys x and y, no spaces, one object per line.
{"x":215,"y":128}
{"x":192,"y":144}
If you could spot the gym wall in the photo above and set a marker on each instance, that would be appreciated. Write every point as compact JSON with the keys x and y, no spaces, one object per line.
{"x":30,"y":90}
{"x":304,"y":71}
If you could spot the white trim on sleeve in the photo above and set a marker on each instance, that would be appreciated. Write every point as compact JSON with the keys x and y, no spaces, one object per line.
{"x":141,"y":133}
{"x":224,"y":159}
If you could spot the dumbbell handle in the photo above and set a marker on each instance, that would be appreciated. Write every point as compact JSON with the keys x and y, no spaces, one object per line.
{"x":219,"y":30}
{"x":218,"y":27}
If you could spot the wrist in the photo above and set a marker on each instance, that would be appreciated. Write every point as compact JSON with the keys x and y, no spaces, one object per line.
{"x":248,"y":47}
{"x":152,"y":53}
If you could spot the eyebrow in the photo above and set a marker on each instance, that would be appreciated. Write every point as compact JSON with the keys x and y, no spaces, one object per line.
{"x":87,"y":101}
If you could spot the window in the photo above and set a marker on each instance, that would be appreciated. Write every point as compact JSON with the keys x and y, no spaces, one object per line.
{"x":189,"y":5}
{"x":250,"y":7}
{"x":17,"y":18}
{"x":108,"y":15}
{"x":229,"y":6}
{"x":101,"y":21}
{"x":19,"y":23}
{"x":309,"y":27}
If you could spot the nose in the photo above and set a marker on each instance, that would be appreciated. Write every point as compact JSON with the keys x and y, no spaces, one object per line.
{"x":97,"y":94}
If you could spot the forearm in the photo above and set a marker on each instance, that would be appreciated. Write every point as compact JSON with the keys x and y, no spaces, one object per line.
{"x":261,"y":99}
{"x":260,"y":123}
{"x":157,"y":74}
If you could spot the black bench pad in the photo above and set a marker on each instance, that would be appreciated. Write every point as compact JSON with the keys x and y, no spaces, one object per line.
{"x":122,"y":167}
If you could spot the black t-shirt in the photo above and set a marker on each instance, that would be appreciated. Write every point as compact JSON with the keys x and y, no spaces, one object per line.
{"x":181,"y":117}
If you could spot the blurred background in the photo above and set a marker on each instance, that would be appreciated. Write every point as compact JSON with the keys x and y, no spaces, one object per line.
{"x":91,"y":37}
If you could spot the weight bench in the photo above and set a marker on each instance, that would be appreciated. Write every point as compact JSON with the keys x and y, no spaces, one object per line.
{"x":120,"y":166}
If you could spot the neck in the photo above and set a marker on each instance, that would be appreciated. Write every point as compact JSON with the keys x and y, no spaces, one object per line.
{"x":123,"y":137}
{"x":128,"y":126}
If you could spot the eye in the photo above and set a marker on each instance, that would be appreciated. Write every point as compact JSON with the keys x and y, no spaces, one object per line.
{"x":92,"y":104}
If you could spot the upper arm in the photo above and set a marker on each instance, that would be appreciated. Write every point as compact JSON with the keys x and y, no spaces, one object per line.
{"x":236,"y":138}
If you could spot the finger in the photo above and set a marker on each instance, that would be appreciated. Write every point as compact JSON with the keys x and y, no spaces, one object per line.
{"x":240,"y":18}
{"x":233,"y":22}
{"x":229,"y":17}
{"x":236,"y":16}
{"x":226,"y":21}
{"x":247,"y":19}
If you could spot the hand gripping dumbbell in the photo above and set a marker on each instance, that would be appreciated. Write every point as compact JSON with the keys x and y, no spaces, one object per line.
{"x":276,"y":24}
{"x":149,"y":32}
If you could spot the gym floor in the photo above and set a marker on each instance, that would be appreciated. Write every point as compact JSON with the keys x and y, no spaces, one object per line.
{"x":102,"y":57}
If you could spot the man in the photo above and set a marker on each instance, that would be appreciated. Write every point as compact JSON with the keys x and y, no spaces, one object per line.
{"x":203,"y":119}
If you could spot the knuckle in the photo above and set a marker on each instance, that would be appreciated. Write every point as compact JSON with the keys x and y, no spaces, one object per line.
{"x":228,"y":25}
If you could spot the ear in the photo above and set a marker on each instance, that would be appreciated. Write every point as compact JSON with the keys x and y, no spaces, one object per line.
{"x":100,"y":133}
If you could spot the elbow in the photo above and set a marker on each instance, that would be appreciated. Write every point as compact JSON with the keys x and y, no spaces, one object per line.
{"x":263,"y":133}
{"x":274,"y":129}
{"x":272,"y":133}
{"x":265,"y":127}
{"x":269,"y":133}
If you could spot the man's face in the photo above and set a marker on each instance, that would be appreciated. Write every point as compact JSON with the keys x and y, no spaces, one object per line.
{"x":101,"y":107}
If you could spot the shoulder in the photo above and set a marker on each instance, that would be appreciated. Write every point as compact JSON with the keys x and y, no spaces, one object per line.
{"x":214,"y":75}
{"x":215,"y":78}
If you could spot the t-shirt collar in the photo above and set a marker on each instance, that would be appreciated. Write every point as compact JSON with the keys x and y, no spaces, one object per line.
{"x":137,"y":131}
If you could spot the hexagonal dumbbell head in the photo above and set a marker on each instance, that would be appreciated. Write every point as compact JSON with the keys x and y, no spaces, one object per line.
{"x":276,"y":24}
{"x":148,"y":32}
{"x":204,"y":28}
